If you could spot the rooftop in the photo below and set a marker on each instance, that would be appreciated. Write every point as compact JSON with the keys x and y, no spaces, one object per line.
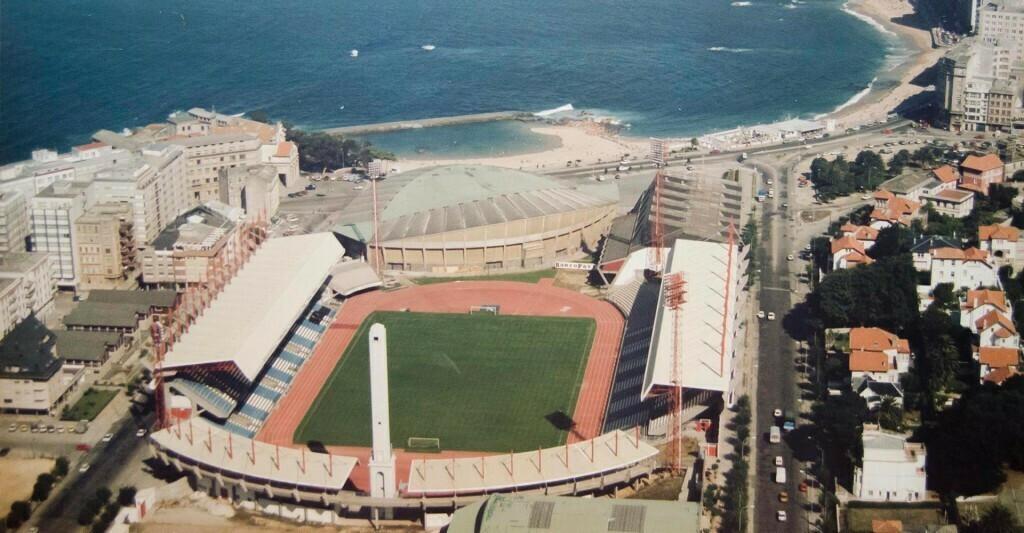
{"x":502,"y":513}
{"x":998,"y":232}
{"x":978,"y":298}
{"x":26,"y":352}
{"x":910,"y":181}
{"x":251,"y":315}
{"x":116,"y":308}
{"x":75,"y":345}
{"x":200,"y":228}
{"x":982,"y":164}
{"x":998,"y":357}
{"x":13,"y":264}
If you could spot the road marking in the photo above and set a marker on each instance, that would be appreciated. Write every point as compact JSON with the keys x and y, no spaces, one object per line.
{"x":777,"y":289}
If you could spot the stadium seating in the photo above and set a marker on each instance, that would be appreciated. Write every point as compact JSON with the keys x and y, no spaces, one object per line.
{"x":639,"y":302}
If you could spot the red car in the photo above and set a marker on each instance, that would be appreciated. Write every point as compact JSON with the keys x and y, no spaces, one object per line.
{"x":887,"y":132}
{"x":82,"y":447}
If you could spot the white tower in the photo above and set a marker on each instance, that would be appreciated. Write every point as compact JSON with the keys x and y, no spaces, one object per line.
{"x":382,"y":462}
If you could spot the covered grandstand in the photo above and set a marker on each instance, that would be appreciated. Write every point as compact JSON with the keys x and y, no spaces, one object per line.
{"x":714,"y":281}
{"x":463,"y":218}
{"x":241,"y":354}
{"x":695,"y":206}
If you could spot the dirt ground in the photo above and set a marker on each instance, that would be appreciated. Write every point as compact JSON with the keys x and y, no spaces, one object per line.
{"x":19,"y":476}
{"x":185,"y":519}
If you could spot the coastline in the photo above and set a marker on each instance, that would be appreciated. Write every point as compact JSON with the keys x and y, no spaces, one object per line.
{"x":592,"y":143}
{"x":875,"y":104}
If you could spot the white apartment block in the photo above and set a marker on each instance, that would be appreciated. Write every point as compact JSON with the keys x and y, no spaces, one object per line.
{"x":26,"y":287}
{"x":980,"y":84}
{"x":893,"y":469}
{"x":965,"y":269}
{"x":256,"y":189}
{"x":1002,"y":21}
{"x":47,"y":167}
{"x":54,"y":211}
{"x":13,"y":222}
{"x":198,"y":239}
{"x":208,"y":155}
{"x":32,"y":378}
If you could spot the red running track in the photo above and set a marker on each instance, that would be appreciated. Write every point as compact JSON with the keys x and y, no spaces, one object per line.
{"x":456,"y":297}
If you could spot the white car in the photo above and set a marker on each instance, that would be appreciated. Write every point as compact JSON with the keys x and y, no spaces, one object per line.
{"x":807,"y":247}
{"x":778,"y":460}
{"x":760,"y":314}
{"x":84,"y":468}
{"x":771,"y":316}
{"x":107,"y":437}
{"x":778,"y":412}
{"x":12,"y":427}
{"x":789,"y":257}
{"x":140,"y":433}
{"x":781,"y":516}
{"x":866,"y":197}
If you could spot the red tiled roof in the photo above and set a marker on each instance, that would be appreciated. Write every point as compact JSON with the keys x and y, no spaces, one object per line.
{"x":982,"y":164}
{"x":856,"y":258}
{"x":998,"y":232}
{"x":998,"y":357}
{"x":847,"y":243}
{"x":882,"y":194}
{"x":970,"y":254}
{"x":981,"y":297}
{"x":994,"y":317}
{"x":974,"y":254}
{"x":863,"y":361}
{"x":886,"y":526}
{"x":945,"y":174}
{"x":999,"y":375}
{"x":285,"y":149}
{"x":874,"y":340}
{"x":954,"y":195}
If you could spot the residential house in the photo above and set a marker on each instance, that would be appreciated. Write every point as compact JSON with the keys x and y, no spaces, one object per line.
{"x":865,"y":234}
{"x":878,"y":355}
{"x":997,"y":364}
{"x":956,"y":203}
{"x":979,"y":303}
{"x":848,"y":252}
{"x":105,"y":246}
{"x":195,"y":242}
{"x":971,"y":268}
{"x":921,"y":249}
{"x":980,"y":172}
{"x":874,"y":392}
{"x":893,"y":470}
{"x":1004,"y":243}
{"x":891,"y":210}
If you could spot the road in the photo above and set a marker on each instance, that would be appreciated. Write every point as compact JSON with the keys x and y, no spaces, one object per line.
{"x":108,"y":461}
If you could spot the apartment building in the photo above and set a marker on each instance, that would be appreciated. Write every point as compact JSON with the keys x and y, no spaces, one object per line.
{"x":965,"y":269}
{"x":33,"y":379}
{"x":13,"y":222}
{"x":1002,"y":21}
{"x":54,"y":211}
{"x":198,"y":239}
{"x":256,"y":189}
{"x":27,"y":287}
{"x":893,"y":470}
{"x":105,"y":246}
{"x":980,"y":84}
{"x":209,"y":154}
{"x":981,"y":172}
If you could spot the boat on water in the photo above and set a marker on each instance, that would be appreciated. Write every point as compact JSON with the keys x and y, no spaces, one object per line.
{"x":354,"y":53}
{"x":428,"y":47}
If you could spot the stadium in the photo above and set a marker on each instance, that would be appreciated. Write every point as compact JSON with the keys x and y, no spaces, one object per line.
{"x":475,"y":218}
{"x":494,"y":387}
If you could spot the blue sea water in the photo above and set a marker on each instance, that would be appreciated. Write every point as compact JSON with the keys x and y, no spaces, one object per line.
{"x":666,"y":67}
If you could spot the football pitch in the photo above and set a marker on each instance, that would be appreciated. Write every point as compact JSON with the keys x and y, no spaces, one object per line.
{"x":475,"y":381}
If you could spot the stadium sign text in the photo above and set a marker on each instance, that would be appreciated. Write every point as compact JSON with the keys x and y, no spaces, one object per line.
{"x":574,"y":266}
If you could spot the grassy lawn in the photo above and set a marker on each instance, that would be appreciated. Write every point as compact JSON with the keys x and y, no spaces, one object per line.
{"x":92,"y":402}
{"x":477,"y":382}
{"x":525,"y":277}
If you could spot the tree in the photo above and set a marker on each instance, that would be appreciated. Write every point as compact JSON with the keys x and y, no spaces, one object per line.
{"x":103,"y":495}
{"x":998,"y":519}
{"x":41,"y":490}
{"x":870,"y":169}
{"x":945,"y":298}
{"x":259,"y":115}
{"x":924,"y":157}
{"x":1018,"y":176}
{"x":694,"y":142}
{"x":891,"y":241}
{"x":890,"y":414}
{"x":899,"y":162}
{"x":126,"y":496}
{"x":1002,"y":196}
{"x":21,"y":511}
{"x":838,"y":422}
{"x":60,"y":468}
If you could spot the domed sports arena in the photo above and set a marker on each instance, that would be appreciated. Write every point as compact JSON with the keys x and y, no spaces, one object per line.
{"x":466,"y":218}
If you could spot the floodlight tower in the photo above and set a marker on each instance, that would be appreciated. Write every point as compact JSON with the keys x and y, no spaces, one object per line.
{"x":382,"y":461}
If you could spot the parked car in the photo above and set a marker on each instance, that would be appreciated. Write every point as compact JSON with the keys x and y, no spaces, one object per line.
{"x":140,"y":433}
{"x":778,"y":460}
{"x":760,"y":314}
{"x":84,"y":468}
{"x":771,"y":316}
{"x":783,"y":496}
{"x":107,"y":437}
{"x":781,"y":516}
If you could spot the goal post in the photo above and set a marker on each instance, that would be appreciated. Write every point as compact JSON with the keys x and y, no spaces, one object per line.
{"x":493,"y":309}
{"x":424,"y":444}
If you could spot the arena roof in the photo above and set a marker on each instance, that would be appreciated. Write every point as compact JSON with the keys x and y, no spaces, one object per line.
{"x":707,"y":319}
{"x":251,"y":316}
{"x":439,"y":199}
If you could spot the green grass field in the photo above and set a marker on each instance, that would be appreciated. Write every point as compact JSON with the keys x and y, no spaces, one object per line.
{"x":90,"y":404}
{"x":477,"y":382}
{"x":525,"y":277}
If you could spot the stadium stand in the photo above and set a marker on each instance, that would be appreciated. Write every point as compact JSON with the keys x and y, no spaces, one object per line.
{"x":638,"y":300}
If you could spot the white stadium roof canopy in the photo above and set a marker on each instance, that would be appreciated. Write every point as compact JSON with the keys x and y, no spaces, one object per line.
{"x":252,"y":315}
{"x":707,"y":318}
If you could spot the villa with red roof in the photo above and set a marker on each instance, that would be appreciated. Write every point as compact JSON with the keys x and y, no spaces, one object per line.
{"x":997,"y":364}
{"x":878,"y":355}
{"x":848,"y":252}
{"x":1004,"y":243}
{"x":976,"y":304}
{"x":891,"y":210}
{"x":971,"y":268}
{"x":980,"y":172}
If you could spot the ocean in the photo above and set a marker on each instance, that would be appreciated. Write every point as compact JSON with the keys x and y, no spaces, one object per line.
{"x":664,"y":67}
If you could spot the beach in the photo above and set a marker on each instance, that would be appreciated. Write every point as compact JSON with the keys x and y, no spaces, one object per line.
{"x":876,"y":104}
{"x":584,"y":141}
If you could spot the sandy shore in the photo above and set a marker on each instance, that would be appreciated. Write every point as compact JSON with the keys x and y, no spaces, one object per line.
{"x":591,"y":144}
{"x":877,"y":104}
{"x":578,"y":142}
